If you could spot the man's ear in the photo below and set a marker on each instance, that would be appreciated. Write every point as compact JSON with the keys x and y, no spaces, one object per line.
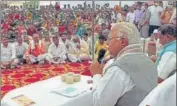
{"x":124,"y":41}
{"x":170,"y":37}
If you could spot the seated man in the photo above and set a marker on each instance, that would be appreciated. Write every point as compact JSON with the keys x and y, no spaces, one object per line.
{"x":129,"y":76}
{"x":65,"y":39}
{"x":36,"y":51}
{"x":152,"y":45}
{"x":78,"y":51}
{"x":88,"y":40}
{"x":56,"y":52}
{"x":101,"y":44}
{"x":104,"y":30}
{"x":166,"y":60}
{"x":21,"y":48}
{"x":163,"y":95}
{"x":84,"y":50}
{"x":7,"y":54}
{"x":27,"y":39}
{"x":46,"y":41}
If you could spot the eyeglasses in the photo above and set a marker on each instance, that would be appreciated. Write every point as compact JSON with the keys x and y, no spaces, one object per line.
{"x":110,"y":38}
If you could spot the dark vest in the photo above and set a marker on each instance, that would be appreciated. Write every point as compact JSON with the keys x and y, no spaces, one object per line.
{"x":142,"y":71}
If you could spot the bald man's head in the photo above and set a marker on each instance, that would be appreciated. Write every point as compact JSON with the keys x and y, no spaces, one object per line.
{"x":76,"y":39}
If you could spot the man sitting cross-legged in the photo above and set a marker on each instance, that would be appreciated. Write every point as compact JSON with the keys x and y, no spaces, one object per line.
{"x":35,"y":52}
{"x":65,"y":39}
{"x":56,"y":52}
{"x":20,"y":48}
{"x":78,"y":51}
{"x":7,"y":54}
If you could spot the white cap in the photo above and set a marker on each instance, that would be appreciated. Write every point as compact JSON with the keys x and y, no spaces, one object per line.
{"x":155,"y":31}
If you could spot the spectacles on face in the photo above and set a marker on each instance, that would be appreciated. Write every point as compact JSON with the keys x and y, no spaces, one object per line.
{"x":110,"y":38}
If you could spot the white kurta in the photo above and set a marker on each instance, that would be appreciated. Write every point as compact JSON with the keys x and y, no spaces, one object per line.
{"x":166,"y":65}
{"x":7,"y":54}
{"x":130,"y":17}
{"x":119,"y":17}
{"x":67,"y":42}
{"x":73,"y":52}
{"x":163,"y":95}
{"x":155,"y":16}
{"x":89,"y":41}
{"x":54,"y":51}
{"x":111,"y":86}
{"x":21,"y":49}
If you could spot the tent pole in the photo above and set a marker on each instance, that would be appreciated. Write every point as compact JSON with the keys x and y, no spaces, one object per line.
{"x":120,"y":3}
{"x":93,"y":42}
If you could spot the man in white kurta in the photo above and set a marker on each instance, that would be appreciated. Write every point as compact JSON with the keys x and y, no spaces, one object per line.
{"x":131,"y":15}
{"x":21,"y":48}
{"x":155,"y":11}
{"x":112,"y":83}
{"x":65,"y":39}
{"x":8,"y":54}
{"x":73,"y":51}
{"x":166,"y":60}
{"x":88,"y":40}
{"x":163,"y":95}
{"x":56,"y":51}
{"x":79,"y":50}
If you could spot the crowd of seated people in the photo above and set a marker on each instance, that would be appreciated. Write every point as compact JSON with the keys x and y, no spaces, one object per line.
{"x":51,"y":49}
{"x":57,"y":41}
{"x":68,"y":37}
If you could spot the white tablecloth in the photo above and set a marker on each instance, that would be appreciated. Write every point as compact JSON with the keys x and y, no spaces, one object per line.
{"x":41,"y":93}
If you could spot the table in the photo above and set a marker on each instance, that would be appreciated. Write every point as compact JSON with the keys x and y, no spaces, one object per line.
{"x":27,"y":74}
{"x":41,"y":93}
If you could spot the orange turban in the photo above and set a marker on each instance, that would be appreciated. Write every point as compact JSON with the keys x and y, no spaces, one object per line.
{"x":118,"y":8}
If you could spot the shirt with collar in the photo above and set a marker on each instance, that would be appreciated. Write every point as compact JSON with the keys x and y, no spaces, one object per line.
{"x":155,"y":16}
{"x":130,"y":17}
{"x":166,"y":65}
{"x":115,"y":82}
{"x":57,"y":51}
{"x":7,"y":53}
{"x":138,"y":15}
{"x":21,"y":48}
{"x":103,"y":86}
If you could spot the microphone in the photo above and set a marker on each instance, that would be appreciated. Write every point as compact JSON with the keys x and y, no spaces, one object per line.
{"x":101,"y":54}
